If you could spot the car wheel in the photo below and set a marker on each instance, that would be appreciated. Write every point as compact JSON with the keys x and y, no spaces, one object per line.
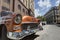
{"x":33,"y":34}
{"x":0,"y":31}
{"x":4,"y":33}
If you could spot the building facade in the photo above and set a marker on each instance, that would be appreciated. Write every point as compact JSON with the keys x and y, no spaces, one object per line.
{"x":30,"y":5}
{"x":23,"y":7}
{"x":6,"y":5}
{"x":53,"y":15}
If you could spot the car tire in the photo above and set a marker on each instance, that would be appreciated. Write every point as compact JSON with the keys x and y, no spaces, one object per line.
{"x":0,"y":32}
{"x":33,"y":34}
{"x":4,"y":33}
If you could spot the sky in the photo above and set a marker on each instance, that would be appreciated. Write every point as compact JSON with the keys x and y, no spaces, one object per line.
{"x":43,"y":6}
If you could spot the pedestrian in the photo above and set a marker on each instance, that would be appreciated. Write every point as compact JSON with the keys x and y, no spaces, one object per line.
{"x":40,"y":26}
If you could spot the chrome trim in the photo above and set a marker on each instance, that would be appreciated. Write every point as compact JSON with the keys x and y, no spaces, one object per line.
{"x":16,"y":28}
{"x":28,"y":22}
{"x":20,"y":35}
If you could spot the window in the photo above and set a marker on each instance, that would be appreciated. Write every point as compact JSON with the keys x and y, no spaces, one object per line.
{"x":21,"y":0}
{"x":5,"y":8}
{"x":19,"y":7}
{"x":4,"y":13}
{"x":23,"y":10}
{"x":7,"y":1}
{"x":26,"y":13}
{"x":26,"y":2}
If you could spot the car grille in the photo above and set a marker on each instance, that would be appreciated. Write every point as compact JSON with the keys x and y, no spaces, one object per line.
{"x":32,"y":26}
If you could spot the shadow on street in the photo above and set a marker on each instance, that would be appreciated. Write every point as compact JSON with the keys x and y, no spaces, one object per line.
{"x":30,"y":37}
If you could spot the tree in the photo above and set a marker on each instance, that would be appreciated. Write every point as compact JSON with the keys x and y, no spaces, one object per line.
{"x":42,"y":18}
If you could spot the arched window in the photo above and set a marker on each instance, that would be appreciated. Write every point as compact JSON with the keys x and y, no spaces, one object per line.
{"x":19,"y":7}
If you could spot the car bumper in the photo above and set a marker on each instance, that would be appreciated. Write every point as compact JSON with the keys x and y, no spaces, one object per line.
{"x":20,"y":35}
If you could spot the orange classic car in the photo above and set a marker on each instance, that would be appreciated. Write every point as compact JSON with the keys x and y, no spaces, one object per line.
{"x":14,"y":26}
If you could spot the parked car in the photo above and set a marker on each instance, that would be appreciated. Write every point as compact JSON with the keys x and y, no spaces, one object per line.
{"x":14,"y":26}
{"x":43,"y":23}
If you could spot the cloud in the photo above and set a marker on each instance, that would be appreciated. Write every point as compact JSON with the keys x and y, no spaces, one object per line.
{"x":45,"y":3}
{"x":37,"y":12}
{"x":57,"y":2}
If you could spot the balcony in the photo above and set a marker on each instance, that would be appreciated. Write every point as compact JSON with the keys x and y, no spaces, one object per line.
{"x":58,"y":18}
{"x":57,"y":14}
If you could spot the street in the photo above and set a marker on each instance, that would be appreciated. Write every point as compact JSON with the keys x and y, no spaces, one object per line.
{"x":50,"y":32}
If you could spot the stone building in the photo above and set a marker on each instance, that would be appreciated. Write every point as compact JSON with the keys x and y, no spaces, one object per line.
{"x":6,"y":5}
{"x":30,"y":5}
{"x":53,"y":15}
{"x":24,"y":7}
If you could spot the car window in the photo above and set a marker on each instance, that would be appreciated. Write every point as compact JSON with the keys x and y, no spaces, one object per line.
{"x":3,"y":13}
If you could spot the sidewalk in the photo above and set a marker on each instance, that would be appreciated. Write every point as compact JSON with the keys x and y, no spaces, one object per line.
{"x":55,"y":24}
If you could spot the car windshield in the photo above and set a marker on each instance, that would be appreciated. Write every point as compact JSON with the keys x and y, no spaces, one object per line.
{"x":4,"y":13}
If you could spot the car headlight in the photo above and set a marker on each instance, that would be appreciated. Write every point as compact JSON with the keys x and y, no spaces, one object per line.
{"x":18,"y":19}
